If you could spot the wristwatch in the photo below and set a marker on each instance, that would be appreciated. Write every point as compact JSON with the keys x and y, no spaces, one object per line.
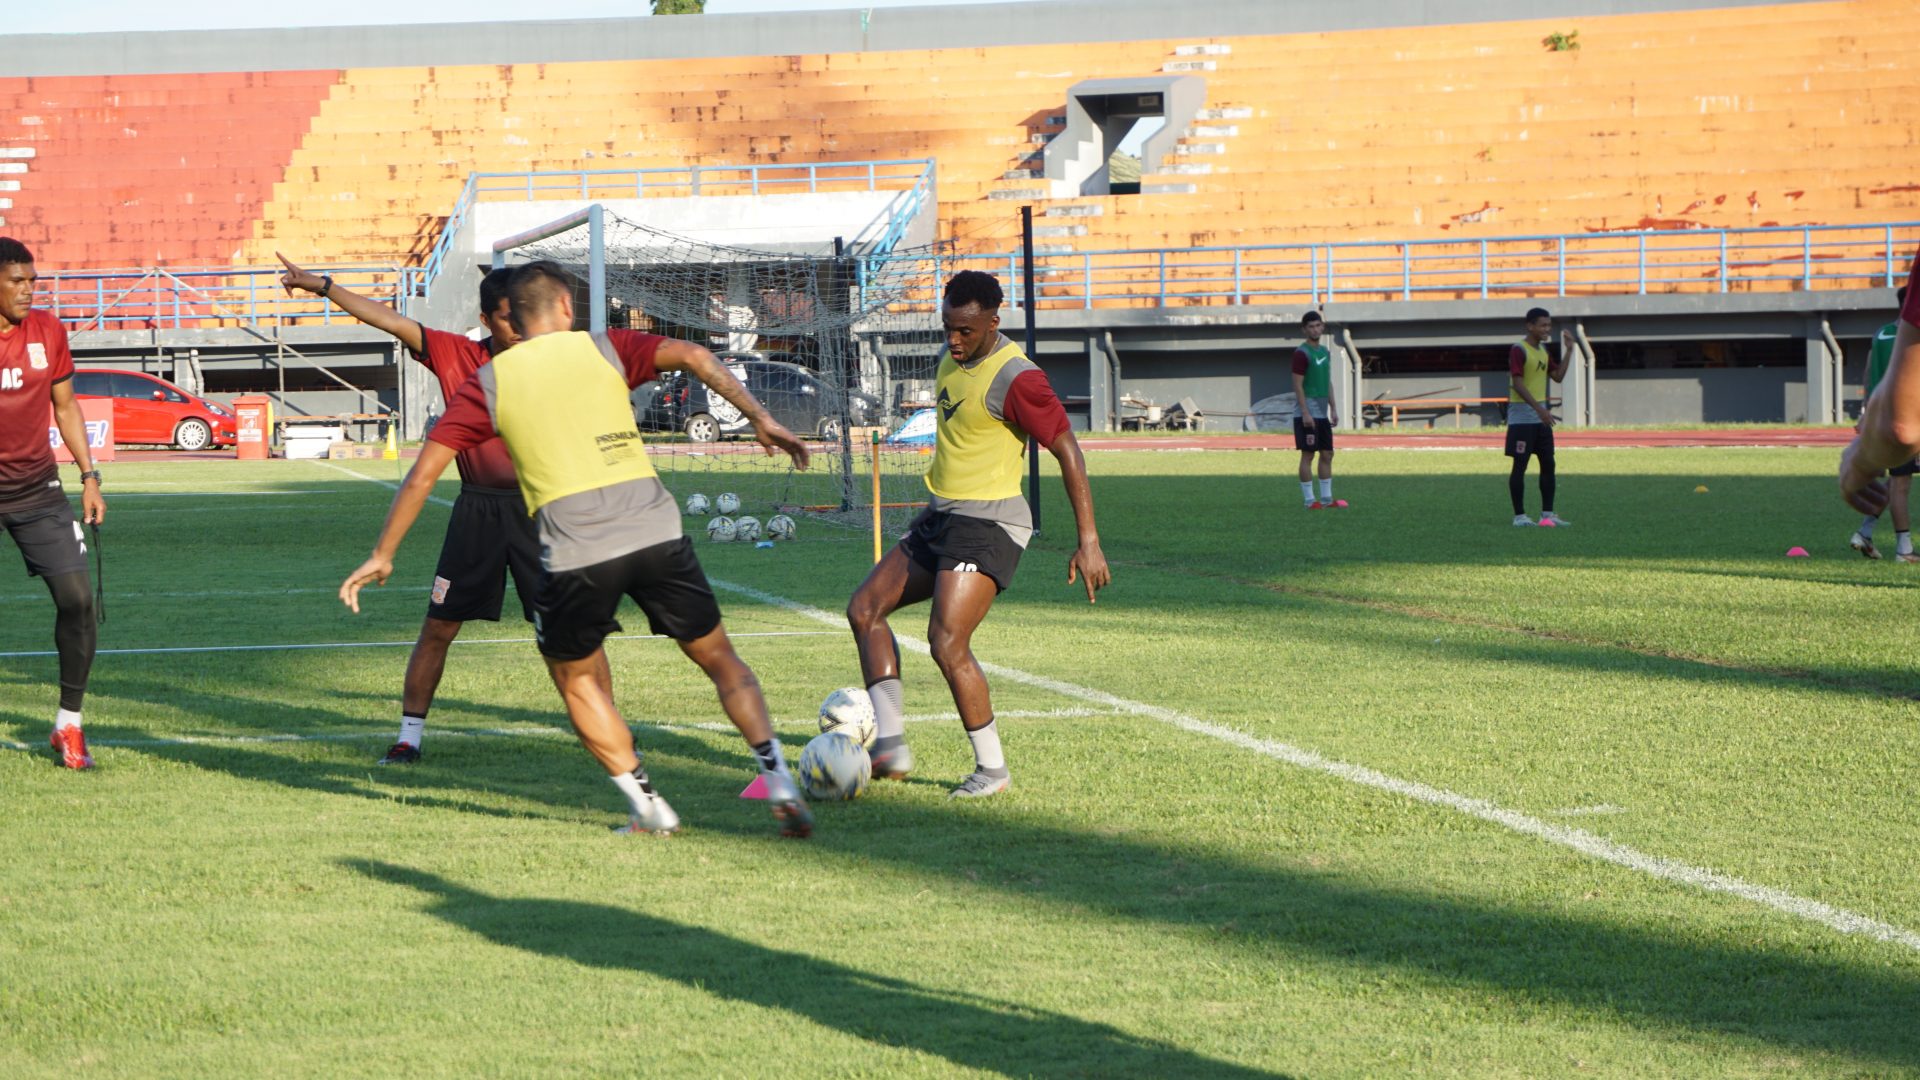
{"x":90,"y":474}
{"x":326,"y":285}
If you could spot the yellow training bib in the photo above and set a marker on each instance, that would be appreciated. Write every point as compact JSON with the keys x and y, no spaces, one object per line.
{"x":561,"y":407}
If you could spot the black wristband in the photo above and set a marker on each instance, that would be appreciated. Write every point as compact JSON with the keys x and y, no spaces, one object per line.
{"x":326,"y":285}
{"x":91,"y":474}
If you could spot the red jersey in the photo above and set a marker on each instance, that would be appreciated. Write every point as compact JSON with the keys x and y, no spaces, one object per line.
{"x":453,"y":358}
{"x":1032,"y":406}
{"x":33,"y":359}
{"x":468,"y":422}
{"x":1910,"y":311}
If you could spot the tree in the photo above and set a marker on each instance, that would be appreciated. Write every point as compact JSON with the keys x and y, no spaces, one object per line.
{"x":679,"y":7}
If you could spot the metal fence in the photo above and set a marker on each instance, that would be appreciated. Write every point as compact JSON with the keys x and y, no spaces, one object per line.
{"x":163,"y":298}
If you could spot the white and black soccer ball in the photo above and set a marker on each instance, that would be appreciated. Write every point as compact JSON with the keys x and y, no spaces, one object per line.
{"x":834,"y":766}
{"x":720,"y":530}
{"x":697,"y":504}
{"x":781,"y":527}
{"x":746,"y":527}
{"x":727,"y":503}
{"x":849,"y":710}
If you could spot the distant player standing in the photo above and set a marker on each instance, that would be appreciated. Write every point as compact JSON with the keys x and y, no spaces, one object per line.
{"x":489,"y":534}
{"x":1529,"y":421}
{"x":36,"y":371}
{"x":963,"y":548}
{"x":1899,"y":487}
{"x":1315,"y":414}
{"x":608,"y":527}
{"x":1890,"y":422}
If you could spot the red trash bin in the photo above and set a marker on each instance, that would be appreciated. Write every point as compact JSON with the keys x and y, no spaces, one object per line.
{"x":254,"y":413}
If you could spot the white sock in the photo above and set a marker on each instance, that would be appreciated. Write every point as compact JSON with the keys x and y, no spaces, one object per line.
{"x":65,"y":718}
{"x":1326,"y":490}
{"x":1306,"y":490}
{"x":986,"y":747}
{"x":889,"y":709}
{"x":412,"y":730}
{"x":1866,"y":527}
{"x":1903,"y":543}
{"x":637,"y":789}
{"x":771,"y":758}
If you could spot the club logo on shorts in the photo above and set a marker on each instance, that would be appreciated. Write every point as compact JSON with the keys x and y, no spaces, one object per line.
{"x":1520,"y":447}
{"x":37,"y":355}
{"x":440,"y":587}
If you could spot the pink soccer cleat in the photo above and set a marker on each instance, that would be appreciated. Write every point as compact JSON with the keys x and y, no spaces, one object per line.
{"x":1339,"y":504}
{"x":71,"y":742}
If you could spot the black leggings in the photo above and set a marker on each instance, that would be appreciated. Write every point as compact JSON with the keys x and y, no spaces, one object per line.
{"x":1517,"y":483}
{"x":75,"y":635}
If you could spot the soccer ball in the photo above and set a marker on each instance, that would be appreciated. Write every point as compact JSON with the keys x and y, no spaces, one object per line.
{"x":833,"y":766}
{"x":849,"y":710}
{"x":697,"y":504}
{"x":720,"y":530}
{"x":746,"y":528}
{"x":727,"y":503}
{"x":780,"y":527}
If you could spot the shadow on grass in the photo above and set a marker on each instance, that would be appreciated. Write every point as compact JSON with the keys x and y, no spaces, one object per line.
{"x":967,"y":1030}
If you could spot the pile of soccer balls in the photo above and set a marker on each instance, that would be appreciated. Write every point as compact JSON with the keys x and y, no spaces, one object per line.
{"x":834,"y":764}
{"x":726,"y":528}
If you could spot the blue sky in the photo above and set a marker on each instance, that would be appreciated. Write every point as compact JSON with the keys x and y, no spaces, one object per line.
{"x":83,"y":16}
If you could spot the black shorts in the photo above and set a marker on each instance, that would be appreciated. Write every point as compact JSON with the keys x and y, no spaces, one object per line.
{"x":574,"y":613}
{"x":1524,"y":439}
{"x":1311,"y":435}
{"x":939,"y":540}
{"x":488,"y":537}
{"x":49,"y":539}
{"x":1909,"y":469}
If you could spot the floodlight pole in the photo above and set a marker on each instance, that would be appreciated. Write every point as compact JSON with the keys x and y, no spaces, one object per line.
{"x":1033,"y":452}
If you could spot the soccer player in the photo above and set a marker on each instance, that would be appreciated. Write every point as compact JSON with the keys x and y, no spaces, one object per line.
{"x":1529,"y":421}
{"x":1890,"y":422}
{"x":962,"y":550}
{"x":1899,"y":488}
{"x":1315,"y":413}
{"x":36,"y":371}
{"x":489,"y":534}
{"x":608,"y":527}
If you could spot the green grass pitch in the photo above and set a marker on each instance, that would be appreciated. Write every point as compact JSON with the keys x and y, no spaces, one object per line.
{"x":239,"y":891}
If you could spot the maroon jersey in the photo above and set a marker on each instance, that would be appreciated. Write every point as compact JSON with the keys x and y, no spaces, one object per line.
{"x":453,"y":358}
{"x":1911,"y":311}
{"x":33,"y":358}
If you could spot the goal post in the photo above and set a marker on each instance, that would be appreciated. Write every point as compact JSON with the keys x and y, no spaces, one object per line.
{"x":840,"y":347}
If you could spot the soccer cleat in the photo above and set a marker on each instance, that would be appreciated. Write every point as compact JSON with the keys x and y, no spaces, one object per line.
{"x":1906,"y":557}
{"x":1522,"y":520}
{"x":659,"y":819}
{"x":1339,"y":504}
{"x":789,"y":809}
{"x":72,"y":744}
{"x":1319,"y":506}
{"x":980,"y":785}
{"x":1555,"y":520}
{"x":1863,"y":544}
{"x":400,"y":753}
{"x":892,"y":763}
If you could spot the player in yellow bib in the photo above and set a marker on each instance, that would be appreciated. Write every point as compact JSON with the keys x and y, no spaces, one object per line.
{"x":963,"y":548}
{"x":1529,"y":417}
{"x":608,"y":528}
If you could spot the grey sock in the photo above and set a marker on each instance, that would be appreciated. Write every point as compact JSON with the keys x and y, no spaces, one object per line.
{"x":889,"y":709}
{"x":1866,"y":527}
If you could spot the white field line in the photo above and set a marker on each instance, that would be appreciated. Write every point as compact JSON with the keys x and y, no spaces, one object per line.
{"x":204,"y":594}
{"x":391,"y":644}
{"x":1586,"y":843}
{"x":120,"y":510}
{"x":522,"y":732}
{"x":388,"y":484}
{"x":117,"y":495}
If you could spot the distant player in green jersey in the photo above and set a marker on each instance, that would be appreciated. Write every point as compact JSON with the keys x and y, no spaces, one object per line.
{"x":1314,"y":414}
{"x":1901,"y":482}
{"x":1529,"y":419}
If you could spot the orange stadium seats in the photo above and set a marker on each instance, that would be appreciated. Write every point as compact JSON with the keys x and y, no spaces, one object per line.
{"x":1789,"y":114}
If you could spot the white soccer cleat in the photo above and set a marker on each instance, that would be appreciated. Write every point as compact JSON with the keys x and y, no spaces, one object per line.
{"x":1554,"y":520}
{"x":1863,"y":544}
{"x":659,"y":819}
{"x":1522,"y":520}
{"x":982,"y":784}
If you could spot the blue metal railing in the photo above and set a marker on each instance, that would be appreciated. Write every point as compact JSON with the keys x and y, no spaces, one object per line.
{"x":1641,"y":262}
{"x":165,"y":298}
{"x":914,"y":175}
{"x":916,"y":199}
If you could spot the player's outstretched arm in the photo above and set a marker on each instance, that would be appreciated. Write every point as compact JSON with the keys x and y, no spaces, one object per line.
{"x":1558,"y":372}
{"x":413,"y":494}
{"x":699,"y":362}
{"x":1889,"y":427}
{"x":73,"y":431}
{"x":369,"y":311}
{"x":1087,"y":563}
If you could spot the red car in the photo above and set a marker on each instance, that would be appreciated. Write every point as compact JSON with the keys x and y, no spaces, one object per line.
{"x":156,"y":412}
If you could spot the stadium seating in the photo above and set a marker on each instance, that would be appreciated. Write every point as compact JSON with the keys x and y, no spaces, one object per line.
{"x":1788,"y":114}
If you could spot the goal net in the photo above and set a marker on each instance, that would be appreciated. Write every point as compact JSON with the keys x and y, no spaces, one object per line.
{"x":840,"y":349}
